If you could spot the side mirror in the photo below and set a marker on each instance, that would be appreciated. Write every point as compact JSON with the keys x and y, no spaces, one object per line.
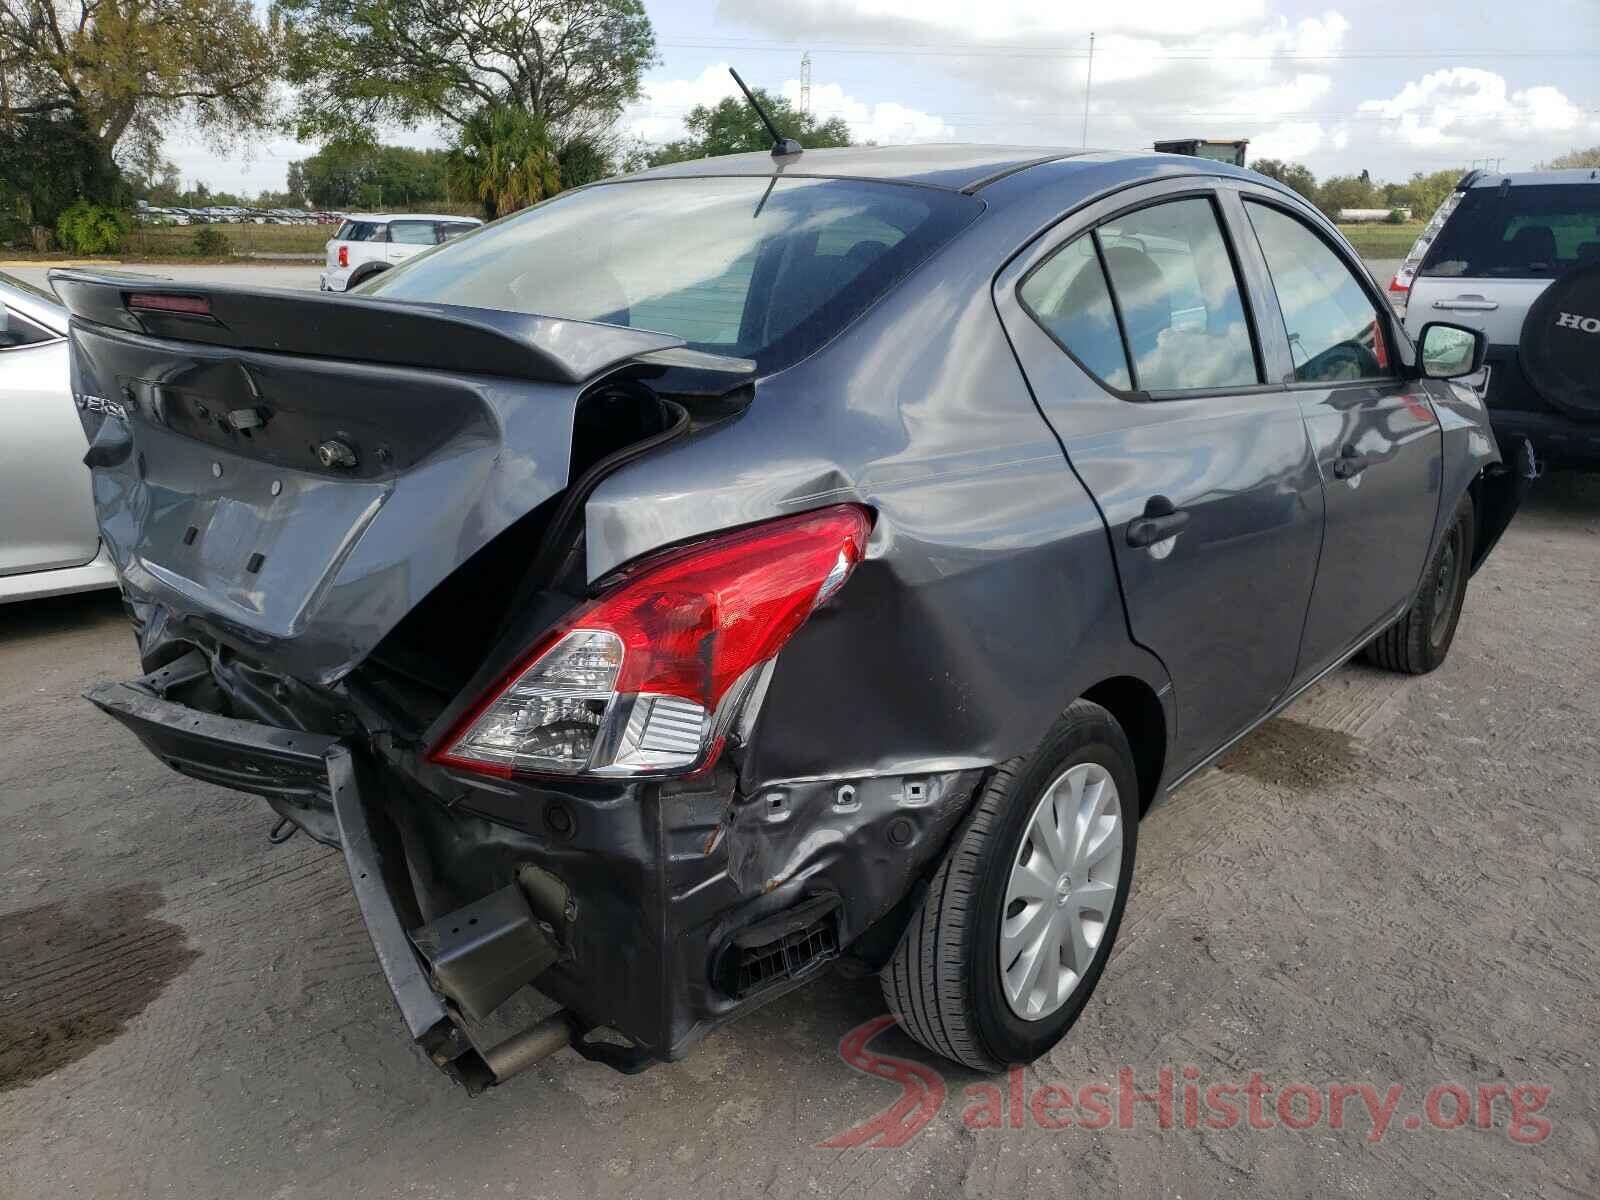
{"x":1451,"y":351}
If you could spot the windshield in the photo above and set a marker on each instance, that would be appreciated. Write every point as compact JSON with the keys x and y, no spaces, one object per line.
{"x":1523,"y":231}
{"x":749,"y":267}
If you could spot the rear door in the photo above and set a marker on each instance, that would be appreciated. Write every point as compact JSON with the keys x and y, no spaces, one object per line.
{"x":44,"y":487}
{"x":410,"y":237}
{"x":1377,"y":441}
{"x":1139,"y":342}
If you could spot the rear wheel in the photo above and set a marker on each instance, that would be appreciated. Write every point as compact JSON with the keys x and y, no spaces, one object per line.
{"x":1419,"y":641}
{"x":1014,"y":931}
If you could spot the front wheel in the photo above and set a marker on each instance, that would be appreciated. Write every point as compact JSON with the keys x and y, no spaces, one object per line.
{"x":1419,"y":641}
{"x":1014,"y":931}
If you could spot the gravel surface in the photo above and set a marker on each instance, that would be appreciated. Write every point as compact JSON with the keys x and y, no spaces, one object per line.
{"x":1394,"y":883}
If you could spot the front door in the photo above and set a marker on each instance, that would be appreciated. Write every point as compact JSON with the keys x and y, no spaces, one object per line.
{"x":1375,"y":435}
{"x":1140,"y":346}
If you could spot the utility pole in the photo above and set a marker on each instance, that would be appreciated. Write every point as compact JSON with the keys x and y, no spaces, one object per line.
{"x":1088,"y":88}
{"x":805,"y":84}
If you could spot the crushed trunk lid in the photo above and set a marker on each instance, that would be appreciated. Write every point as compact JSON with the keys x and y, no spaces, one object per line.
{"x":294,"y":472}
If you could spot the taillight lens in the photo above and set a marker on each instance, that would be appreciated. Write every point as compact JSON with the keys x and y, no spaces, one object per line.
{"x":344,"y":256}
{"x":646,"y":678}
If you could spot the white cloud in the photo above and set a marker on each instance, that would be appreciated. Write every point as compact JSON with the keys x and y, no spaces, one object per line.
{"x":658,"y":116}
{"x":886,"y":123}
{"x":1466,"y":107}
{"x":1162,"y":68}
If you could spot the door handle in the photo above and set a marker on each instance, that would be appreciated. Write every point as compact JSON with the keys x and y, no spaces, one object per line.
{"x":1160,"y":521}
{"x":1350,"y":463}
{"x":1466,"y":304}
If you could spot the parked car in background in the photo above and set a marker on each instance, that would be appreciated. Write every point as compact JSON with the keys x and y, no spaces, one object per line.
{"x":704,"y":575}
{"x":367,"y":244}
{"x":1516,"y":257}
{"x":49,"y":541}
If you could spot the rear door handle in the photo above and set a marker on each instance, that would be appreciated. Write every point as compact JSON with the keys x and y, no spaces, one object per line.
{"x":1467,"y":304}
{"x":1160,"y":521}
{"x":1350,"y":463}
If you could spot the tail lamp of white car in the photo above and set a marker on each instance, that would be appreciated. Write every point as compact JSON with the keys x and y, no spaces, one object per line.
{"x":646,"y":678}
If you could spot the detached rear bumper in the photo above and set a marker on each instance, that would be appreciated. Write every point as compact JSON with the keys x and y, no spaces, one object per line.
{"x":656,"y":911}
{"x":310,"y":772}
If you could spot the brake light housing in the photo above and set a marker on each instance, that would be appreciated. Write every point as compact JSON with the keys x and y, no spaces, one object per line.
{"x":648,"y":677}
{"x":344,"y":256}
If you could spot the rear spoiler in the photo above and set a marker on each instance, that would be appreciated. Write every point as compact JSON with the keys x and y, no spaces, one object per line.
{"x":445,"y":337}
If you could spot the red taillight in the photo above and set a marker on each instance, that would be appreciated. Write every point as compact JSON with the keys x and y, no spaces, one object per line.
{"x":188,"y":306}
{"x":344,"y":256}
{"x":1396,"y":286}
{"x":635,"y":681}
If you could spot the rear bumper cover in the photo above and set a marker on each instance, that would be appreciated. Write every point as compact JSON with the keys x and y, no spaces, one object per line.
{"x":657,"y":911}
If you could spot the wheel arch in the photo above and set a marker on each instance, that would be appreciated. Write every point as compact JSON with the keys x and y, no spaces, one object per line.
{"x":1143,"y":718}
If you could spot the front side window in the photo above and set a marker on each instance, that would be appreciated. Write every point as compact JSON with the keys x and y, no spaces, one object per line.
{"x":412,"y":233}
{"x":1069,"y":297}
{"x":1335,"y":332}
{"x":1179,"y":299}
{"x":751,"y":267}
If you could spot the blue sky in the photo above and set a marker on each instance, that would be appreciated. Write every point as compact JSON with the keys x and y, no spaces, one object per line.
{"x":1387,"y":87}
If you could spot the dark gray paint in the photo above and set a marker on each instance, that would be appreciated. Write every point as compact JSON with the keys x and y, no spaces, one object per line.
{"x":998,"y":585}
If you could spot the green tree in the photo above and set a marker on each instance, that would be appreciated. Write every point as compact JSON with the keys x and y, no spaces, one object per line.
{"x":1347,"y":191}
{"x":349,"y":173}
{"x":127,"y":70}
{"x":731,"y":126}
{"x":583,"y":160}
{"x":1574,"y":159}
{"x":1423,"y":193}
{"x":504,"y":161}
{"x":1292,"y":175}
{"x":572,"y":64}
{"x":47,"y":161}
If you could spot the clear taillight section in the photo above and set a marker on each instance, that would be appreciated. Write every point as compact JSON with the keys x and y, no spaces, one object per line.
{"x":646,"y":678}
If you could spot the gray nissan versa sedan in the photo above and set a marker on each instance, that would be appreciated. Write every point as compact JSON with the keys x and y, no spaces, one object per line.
{"x":768,"y":560}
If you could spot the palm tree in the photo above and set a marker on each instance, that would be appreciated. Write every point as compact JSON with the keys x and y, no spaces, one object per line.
{"x":504,"y":161}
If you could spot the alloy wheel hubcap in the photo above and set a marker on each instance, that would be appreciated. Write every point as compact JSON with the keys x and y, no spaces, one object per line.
{"x":1063,"y":885}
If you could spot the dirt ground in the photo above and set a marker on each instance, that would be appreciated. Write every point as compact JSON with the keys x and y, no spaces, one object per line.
{"x":1393,"y":884}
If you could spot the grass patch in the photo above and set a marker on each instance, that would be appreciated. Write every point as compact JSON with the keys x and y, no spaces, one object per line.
{"x":1375,"y":239}
{"x":178,"y":241}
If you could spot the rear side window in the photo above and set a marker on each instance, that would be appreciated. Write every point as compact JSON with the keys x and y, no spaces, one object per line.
{"x":1069,"y":297}
{"x":412,"y":233}
{"x":17,"y":330}
{"x":1179,"y":299}
{"x":450,"y":229}
{"x":1527,"y":231}
{"x":361,"y":231}
{"x":1334,"y":330}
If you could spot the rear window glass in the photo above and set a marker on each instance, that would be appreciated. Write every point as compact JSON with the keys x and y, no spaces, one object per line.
{"x":361,"y":231}
{"x":1523,"y":231}
{"x":749,"y":267}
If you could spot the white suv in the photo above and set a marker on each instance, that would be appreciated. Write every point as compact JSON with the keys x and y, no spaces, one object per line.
{"x":1517,"y":257}
{"x":368,"y":243}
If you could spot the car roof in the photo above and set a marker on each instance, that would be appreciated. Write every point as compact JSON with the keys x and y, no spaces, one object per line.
{"x":385,"y":218}
{"x":1489,"y":179}
{"x":953,"y":167}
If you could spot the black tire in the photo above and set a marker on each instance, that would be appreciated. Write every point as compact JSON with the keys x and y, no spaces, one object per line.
{"x":943,"y":980}
{"x":364,"y":274}
{"x":1420,"y":640}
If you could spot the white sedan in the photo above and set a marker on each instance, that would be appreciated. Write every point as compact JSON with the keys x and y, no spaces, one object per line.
{"x":49,"y":542}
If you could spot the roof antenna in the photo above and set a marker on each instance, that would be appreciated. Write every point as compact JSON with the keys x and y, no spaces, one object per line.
{"x":781,"y":146}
